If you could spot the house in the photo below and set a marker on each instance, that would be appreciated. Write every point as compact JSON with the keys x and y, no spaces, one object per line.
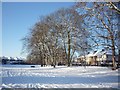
{"x":90,"y":59}
{"x":97,"y":57}
{"x":106,"y":57}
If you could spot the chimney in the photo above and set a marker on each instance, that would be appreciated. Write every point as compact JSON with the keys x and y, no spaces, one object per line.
{"x":103,"y":49}
{"x":95,"y":51}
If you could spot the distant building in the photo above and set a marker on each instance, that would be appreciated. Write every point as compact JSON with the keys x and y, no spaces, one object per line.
{"x":11,"y":60}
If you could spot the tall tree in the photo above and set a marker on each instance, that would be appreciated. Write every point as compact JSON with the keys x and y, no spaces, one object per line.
{"x":115,"y":6}
{"x":103,"y":24}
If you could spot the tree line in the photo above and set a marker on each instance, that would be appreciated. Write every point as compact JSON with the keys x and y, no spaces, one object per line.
{"x":59,"y":36}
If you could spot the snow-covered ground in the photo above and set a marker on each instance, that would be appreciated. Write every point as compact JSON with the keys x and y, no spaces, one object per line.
{"x":23,"y":76}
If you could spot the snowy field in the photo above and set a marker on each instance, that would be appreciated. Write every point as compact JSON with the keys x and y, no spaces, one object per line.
{"x":23,"y":76}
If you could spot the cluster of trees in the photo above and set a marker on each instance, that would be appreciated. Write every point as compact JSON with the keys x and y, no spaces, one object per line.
{"x":56,"y":38}
{"x":59,"y":36}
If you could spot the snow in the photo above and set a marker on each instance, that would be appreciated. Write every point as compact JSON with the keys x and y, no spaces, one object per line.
{"x":23,"y":76}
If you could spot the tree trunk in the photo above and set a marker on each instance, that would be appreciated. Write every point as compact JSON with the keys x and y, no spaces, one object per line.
{"x":118,"y":58}
{"x":69,"y":61}
{"x":113,"y":56}
{"x":41,"y":59}
{"x":44,"y":56}
{"x":54,"y":61}
{"x":118,"y":46}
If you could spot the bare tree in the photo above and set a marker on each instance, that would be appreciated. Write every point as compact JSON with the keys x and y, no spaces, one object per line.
{"x":59,"y":34}
{"x":103,"y":24}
